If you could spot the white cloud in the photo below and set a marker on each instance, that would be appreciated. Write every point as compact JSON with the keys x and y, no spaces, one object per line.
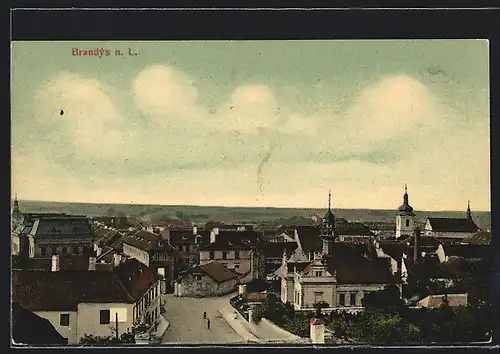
{"x":443,"y":163}
{"x":166,"y":93}
{"x":83,"y":107}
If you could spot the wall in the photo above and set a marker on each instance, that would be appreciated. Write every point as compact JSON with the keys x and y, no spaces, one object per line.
{"x":191,"y":287}
{"x":328,"y":290}
{"x":244,"y":261}
{"x":89,"y":320}
{"x":454,"y":235}
{"x":69,"y":332}
{"x":359,"y":289}
{"x":134,"y":252}
{"x":227,"y":287}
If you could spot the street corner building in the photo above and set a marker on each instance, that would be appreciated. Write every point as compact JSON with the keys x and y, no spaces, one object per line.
{"x":89,"y":302}
{"x":207,"y":280}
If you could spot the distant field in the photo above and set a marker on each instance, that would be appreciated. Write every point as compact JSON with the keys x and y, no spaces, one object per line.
{"x":233,"y":214}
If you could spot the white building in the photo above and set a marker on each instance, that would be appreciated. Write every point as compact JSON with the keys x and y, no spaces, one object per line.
{"x":89,"y":302}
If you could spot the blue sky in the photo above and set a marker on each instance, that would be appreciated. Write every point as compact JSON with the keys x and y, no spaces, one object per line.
{"x":251,"y":123}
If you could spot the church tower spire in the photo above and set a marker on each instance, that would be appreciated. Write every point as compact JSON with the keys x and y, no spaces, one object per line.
{"x":469,"y":214}
{"x":327,"y":231}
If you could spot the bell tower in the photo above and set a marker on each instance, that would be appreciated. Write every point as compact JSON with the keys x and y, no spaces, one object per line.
{"x":405,"y":218}
{"x":327,"y":231}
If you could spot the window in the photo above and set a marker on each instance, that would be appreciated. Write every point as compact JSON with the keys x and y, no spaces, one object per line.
{"x":407,"y":222}
{"x":236,"y":254}
{"x":318,"y":297}
{"x":353,"y":299}
{"x":342,"y":299}
{"x":104,"y":317}
{"x":236,"y":266}
{"x":198,"y":277}
{"x":64,"y":250}
{"x":212,"y":255}
{"x":75,"y":250}
{"x":54,"y":250}
{"x":224,"y":255}
{"x":43,"y":251}
{"x":318,"y":273}
{"x":64,"y":319}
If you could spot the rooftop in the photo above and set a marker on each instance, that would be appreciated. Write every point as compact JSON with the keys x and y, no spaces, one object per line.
{"x":452,"y":225}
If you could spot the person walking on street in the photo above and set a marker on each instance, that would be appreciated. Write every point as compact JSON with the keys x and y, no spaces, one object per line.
{"x":208,"y":323}
{"x":205,"y":315}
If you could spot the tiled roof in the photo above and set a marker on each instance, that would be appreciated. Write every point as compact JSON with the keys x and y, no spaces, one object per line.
{"x":353,"y":228}
{"x":309,"y":238}
{"x":66,"y":262}
{"x":351,"y":267}
{"x":452,"y":225}
{"x":436,"y":301}
{"x":59,"y":226}
{"x":214,"y":270}
{"x":394,"y":249}
{"x":234,"y":240}
{"x":467,"y":251}
{"x":480,"y":238}
{"x":275,"y":249}
{"x":181,"y":237}
{"x":425,"y":241}
{"x":64,"y":290}
{"x":29,"y":328}
{"x":299,"y":266}
{"x":147,"y":241}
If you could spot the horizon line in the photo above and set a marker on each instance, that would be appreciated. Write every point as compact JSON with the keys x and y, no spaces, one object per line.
{"x":239,"y":206}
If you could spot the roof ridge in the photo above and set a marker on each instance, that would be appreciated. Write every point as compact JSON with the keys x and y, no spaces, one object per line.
{"x":123,"y":286}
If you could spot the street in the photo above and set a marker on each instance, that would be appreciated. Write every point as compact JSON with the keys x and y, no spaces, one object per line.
{"x":188,"y":326}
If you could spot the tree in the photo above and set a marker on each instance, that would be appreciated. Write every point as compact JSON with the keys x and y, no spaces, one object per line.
{"x":387,"y":300}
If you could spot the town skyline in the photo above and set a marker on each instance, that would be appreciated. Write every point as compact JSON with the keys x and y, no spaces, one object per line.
{"x":254,"y":124}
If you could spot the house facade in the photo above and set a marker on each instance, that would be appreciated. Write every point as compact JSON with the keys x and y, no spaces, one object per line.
{"x":239,"y":251}
{"x":209,"y":279}
{"x":57,"y":234}
{"x":79,"y":303}
{"x":152,"y":250}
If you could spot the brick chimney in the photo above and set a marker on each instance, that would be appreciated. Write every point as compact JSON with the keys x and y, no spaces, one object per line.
{"x":416,"y":245}
{"x":55,"y":263}
{"x":92,"y":263}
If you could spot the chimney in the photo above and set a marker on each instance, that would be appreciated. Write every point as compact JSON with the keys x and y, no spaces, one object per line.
{"x":416,"y":246}
{"x":116,"y":260}
{"x":92,"y":263}
{"x":55,"y":263}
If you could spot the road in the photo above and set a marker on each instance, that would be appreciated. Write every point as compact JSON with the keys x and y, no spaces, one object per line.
{"x":188,"y":326}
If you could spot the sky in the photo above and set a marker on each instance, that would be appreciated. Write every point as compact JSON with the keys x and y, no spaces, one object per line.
{"x":253,"y":123}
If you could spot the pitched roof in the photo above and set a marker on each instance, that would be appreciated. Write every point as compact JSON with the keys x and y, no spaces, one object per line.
{"x":309,"y":238}
{"x":275,"y":249}
{"x":353,"y":228}
{"x":480,"y":238}
{"x":181,"y":237}
{"x":60,"y":226}
{"x":214,"y":270}
{"x":452,"y":225}
{"x":436,"y":301}
{"x":394,"y":249}
{"x":225,"y":240}
{"x":64,"y":290}
{"x":66,"y":262}
{"x":467,"y":251}
{"x":350,"y":266}
{"x":424,"y":241}
{"x":29,"y":328}
{"x":147,"y":241}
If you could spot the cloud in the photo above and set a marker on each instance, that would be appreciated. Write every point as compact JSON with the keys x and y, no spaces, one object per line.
{"x":166,"y":93}
{"x":256,"y":149}
{"x":83,"y":114}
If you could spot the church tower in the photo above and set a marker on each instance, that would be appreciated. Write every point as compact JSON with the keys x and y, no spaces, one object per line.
{"x":15,"y":210}
{"x":469,"y":214}
{"x":405,"y":218}
{"x":327,"y":231}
